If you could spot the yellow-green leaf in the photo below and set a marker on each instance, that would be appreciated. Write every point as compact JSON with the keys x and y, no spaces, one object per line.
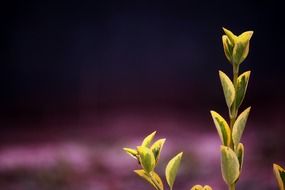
{"x":279,"y":173}
{"x":228,"y":88}
{"x":222,"y":127}
{"x":172,"y":168}
{"x":230,"y":165}
{"x":147,"y":141}
{"x":230,"y":35}
{"x":240,"y":154}
{"x":245,"y":37}
{"x":238,"y":52}
{"x":145,"y":176}
{"x":242,"y":83}
{"x":241,"y":47}
{"x":197,"y":187}
{"x":228,"y":47}
{"x":132,"y":152}
{"x":156,"y":148}
{"x":239,"y":126}
{"x":147,"y":159}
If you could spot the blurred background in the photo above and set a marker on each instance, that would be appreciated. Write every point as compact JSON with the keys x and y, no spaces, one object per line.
{"x":80,"y":80}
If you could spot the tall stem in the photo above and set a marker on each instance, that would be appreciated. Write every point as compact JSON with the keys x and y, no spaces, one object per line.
{"x":233,"y":111}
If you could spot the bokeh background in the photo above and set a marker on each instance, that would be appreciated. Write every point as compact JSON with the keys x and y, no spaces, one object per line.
{"x":80,"y":80}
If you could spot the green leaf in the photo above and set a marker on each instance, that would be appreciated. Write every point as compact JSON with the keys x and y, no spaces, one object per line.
{"x":239,"y":126}
{"x":132,"y":152}
{"x":222,"y":127}
{"x":279,"y":173}
{"x":242,"y":83}
{"x":240,"y":154}
{"x":147,"y":141}
{"x":156,"y":148}
{"x":197,"y":187}
{"x":230,"y":35}
{"x":147,"y":159}
{"x":230,"y":165}
{"x":228,"y":88}
{"x":238,"y":52}
{"x":172,"y":168}
{"x":146,"y":176}
{"x":245,"y":39}
{"x":241,"y":47}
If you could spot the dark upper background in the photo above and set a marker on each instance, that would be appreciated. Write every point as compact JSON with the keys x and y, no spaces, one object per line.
{"x":72,"y":57}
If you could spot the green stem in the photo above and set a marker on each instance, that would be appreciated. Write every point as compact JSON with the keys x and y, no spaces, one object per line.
{"x":234,"y":110}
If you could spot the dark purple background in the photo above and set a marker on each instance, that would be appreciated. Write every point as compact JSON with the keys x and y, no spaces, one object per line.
{"x":98,"y":76}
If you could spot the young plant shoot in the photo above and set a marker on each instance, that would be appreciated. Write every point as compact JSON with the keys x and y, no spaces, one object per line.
{"x":147,"y":155}
{"x":236,"y":49}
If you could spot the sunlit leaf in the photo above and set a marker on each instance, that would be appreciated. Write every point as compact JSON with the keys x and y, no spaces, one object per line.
{"x":222,"y":127}
{"x":230,"y":165}
{"x":279,"y":173}
{"x":228,"y":88}
{"x":230,"y":35}
{"x":156,"y":148}
{"x":172,"y":168}
{"x":132,"y":152}
{"x":147,"y":159}
{"x":242,"y":83}
{"x":147,"y":141}
{"x":239,"y":126}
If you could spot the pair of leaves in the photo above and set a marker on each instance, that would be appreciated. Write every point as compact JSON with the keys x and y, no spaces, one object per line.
{"x":231,"y":163}
{"x":224,"y":130}
{"x":231,"y":94}
{"x":236,"y":48}
{"x":200,"y":187}
{"x":279,"y":173}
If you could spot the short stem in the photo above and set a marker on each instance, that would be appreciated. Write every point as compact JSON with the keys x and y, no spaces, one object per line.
{"x":232,"y":187}
{"x":235,"y":81}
